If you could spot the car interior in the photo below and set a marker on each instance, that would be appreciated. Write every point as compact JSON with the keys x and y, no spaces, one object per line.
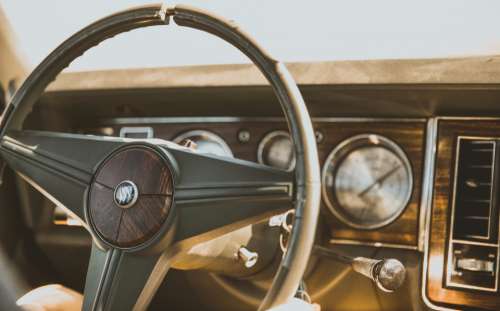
{"x":322,"y":185}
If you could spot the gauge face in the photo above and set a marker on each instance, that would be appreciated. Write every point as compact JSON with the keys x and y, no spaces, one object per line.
{"x":206,"y":142}
{"x":276,"y":150}
{"x":367,"y":181}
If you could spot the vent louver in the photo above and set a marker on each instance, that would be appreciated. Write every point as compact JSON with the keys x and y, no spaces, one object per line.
{"x":473,"y":212}
{"x":473,"y":253}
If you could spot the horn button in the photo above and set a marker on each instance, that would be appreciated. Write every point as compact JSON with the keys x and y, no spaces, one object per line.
{"x":130,"y":196}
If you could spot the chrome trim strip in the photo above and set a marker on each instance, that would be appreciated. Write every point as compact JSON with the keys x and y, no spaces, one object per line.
{"x":480,"y":137}
{"x":177,"y":120}
{"x":228,"y":119}
{"x":459,"y":118}
{"x":474,"y":243}
{"x":477,"y":288}
{"x":362,"y":119}
{"x":427,"y":180}
{"x":432,"y":129}
{"x":372,"y":244}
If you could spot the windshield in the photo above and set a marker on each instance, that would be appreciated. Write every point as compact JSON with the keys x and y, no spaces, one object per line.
{"x":290,"y":30}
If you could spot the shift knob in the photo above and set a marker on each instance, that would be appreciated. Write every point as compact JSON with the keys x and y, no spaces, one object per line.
{"x":388,"y":274}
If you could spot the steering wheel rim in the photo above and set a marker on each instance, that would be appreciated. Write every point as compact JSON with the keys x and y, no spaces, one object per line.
{"x":307,"y":174}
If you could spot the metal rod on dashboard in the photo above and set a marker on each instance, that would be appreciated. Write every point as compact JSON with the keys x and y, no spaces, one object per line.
{"x":389,"y":274}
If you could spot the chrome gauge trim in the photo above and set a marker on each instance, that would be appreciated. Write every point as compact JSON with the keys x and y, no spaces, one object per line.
{"x":267,"y":139}
{"x":228,"y":119}
{"x":338,"y":154}
{"x":208,"y":135}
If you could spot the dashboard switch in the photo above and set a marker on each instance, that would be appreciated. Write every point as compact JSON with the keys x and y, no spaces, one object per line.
{"x":473,"y":264}
{"x":243,"y":136}
{"x":248,"y":257}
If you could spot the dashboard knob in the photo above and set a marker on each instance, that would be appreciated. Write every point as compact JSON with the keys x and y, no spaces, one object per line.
{"x":388,"y":274}
{"x":248,"y":257}
{"x":391,"y":275}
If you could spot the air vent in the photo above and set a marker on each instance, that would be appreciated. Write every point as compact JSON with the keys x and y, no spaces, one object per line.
{"x":474,"y":201}
{"x":473,"y":253}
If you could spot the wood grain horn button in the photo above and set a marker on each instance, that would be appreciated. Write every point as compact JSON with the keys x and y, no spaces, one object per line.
{"x":131,"y":196}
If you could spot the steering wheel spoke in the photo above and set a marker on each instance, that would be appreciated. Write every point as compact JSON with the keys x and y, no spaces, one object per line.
{"x":216,"y":195}
{"x":60,"y":165}
{"x":121,"y":280}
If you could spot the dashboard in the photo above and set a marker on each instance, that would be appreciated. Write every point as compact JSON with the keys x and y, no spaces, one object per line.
{"x":408,"y":170}
{"x":388,"y":183}
{"x":378,"y":178}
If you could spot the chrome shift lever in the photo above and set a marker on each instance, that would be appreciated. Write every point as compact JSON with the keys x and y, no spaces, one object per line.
{"x":388,"y":274}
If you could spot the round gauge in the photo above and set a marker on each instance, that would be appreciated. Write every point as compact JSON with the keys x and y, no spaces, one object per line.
{"x":206,"y":142}
{"x":276,"y":150}
{"x":367,"y":181}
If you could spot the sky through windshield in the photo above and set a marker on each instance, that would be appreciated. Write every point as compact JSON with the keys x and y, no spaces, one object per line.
{"x":290,"y":30}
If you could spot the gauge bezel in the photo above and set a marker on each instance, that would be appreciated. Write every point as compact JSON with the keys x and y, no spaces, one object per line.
{"x":266,"y":140}
{"x":207,"y":134}
{"x":338,"y":155}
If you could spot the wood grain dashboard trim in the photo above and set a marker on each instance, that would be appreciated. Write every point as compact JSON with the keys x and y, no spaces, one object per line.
{"x":435,"y":290}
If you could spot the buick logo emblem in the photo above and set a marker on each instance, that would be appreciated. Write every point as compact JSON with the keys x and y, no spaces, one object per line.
{"x":126,"y":194}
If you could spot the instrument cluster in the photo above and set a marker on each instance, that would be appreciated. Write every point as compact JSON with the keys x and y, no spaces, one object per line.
{"x":367,"y":179}
{"x":370,"y":169}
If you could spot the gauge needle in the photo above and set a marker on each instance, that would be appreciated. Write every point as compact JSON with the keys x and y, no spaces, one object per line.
{"x":379,"y":181}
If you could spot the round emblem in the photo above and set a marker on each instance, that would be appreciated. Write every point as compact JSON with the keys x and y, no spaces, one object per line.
{"x":126,"y":194}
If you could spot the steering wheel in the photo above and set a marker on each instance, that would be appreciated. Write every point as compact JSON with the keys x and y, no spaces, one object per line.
{"x":145,"y":202}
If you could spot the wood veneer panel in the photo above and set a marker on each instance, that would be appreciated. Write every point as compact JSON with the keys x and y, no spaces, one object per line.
{"x":448,"y":132}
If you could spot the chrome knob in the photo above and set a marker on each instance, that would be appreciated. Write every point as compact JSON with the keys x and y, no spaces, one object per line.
{"x":248,"y":257}
{"x":388,"y":274}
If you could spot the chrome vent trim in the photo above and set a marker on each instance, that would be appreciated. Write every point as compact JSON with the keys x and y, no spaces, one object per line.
{"x":475,"y":170}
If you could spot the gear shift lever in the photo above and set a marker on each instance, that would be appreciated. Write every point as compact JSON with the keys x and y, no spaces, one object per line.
{"x":388,"y":274}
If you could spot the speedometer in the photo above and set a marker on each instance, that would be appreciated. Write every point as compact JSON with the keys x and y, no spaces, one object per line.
{"x":367,"y":181}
